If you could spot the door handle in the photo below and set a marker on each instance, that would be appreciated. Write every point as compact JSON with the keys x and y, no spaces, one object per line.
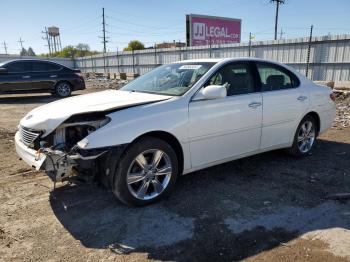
{"x":25,"y":77}
{"x":53,"y":76}
{"x":254,"y":104}
{"x":302,"y":98}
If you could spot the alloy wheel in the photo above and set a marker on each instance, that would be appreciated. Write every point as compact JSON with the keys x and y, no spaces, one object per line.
{"x":306,"y":136}
{"x":63,"y":89}
{"x":149,"y":174}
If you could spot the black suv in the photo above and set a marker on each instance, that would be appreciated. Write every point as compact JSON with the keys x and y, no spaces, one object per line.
{"x":27,"y":76}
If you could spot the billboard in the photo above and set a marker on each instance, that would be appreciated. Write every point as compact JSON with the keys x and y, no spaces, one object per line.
{"x":206,"y":30}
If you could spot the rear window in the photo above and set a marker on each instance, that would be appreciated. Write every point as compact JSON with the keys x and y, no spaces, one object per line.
{"x":274,"y":77}
{"x":44,"y":66}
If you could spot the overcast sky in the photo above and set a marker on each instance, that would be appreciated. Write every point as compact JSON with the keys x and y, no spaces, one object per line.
{"x":159,"y":20}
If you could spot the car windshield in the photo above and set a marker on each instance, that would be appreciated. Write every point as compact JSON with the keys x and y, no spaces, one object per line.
{"x":173,"y":79}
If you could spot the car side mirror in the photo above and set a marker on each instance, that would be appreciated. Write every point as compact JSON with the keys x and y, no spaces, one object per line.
{"x":3,"y":70}
{"x":211,"y":92}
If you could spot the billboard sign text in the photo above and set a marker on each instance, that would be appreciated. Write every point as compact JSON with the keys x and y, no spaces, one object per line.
{"x":205,"y":30}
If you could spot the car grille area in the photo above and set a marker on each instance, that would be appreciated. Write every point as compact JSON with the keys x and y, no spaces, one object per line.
{"x":28,"y":136}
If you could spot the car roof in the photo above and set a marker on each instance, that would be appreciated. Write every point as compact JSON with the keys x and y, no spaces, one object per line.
{"x":32,"y":60}
{"x":301,"y":77}
{"x":217,"y":60}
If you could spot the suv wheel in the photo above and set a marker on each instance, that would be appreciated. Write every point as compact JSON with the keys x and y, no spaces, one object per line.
{"x":146,"y":172}
{"x":63,"y":89}
{"x":305,"y":137}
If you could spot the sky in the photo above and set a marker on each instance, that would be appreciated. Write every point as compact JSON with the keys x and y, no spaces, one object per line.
{"x":154,"y":21}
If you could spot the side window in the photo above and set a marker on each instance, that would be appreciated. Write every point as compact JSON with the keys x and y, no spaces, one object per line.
{"x":43,"y":66}
{"x":273,"y":78}
{"x":236,"y":77}
{"x":53,"y":67}
{"x":19,"y":67}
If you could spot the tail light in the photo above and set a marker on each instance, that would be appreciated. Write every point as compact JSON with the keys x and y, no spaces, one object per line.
{"x":333,"y":96}
{"x":79,"y":75}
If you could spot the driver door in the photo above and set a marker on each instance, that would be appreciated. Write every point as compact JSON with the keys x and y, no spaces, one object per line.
{"x":225,"y":128}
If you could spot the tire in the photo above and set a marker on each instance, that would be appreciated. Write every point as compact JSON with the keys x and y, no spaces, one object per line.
{"x":63,"y":89}
{"x":304,"y":139}
{"x":146,"y":173}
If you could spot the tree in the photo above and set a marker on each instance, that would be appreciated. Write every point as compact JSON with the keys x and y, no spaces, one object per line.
{"x":83,"y":47}
{"x":23,"y":52}
{"x":30,"y":52}
{"x":135,"y":45}
{"x":70,"y":51}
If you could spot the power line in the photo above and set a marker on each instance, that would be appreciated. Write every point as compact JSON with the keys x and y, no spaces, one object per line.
{"x":84,"y":25}
{"x":142,"y":25}
{"x":278,"y":2}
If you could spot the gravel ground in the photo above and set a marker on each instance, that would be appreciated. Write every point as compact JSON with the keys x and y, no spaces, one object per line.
{"x":269,"y":207}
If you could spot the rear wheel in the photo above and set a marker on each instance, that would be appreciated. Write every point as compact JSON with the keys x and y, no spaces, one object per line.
{"x":305,"y":137}
{"x":146,"y":173}
{"x":63,"y":89}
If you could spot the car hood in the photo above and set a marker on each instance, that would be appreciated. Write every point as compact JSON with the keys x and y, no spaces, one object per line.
{"x":48,"y":117}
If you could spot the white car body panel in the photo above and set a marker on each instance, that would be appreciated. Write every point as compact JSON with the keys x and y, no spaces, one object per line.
{"x":224,"y":128}
{"x":210,"y":132}
{"x":282,"y":112}
{"x":49,"y":116}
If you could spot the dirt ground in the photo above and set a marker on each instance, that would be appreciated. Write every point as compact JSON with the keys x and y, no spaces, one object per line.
{"x":269,"y":207}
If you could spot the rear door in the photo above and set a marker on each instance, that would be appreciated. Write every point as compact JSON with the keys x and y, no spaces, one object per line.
{"x":44,"y":75}
{"x":284,"y":103}
{"x":17,"y":78}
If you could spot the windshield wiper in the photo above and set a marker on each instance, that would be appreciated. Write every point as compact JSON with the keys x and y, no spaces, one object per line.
{"x":153,"y":93}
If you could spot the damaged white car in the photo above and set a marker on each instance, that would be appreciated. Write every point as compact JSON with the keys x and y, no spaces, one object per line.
{"x":174,"y":120}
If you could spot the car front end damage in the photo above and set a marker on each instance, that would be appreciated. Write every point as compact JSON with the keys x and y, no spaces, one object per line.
{"x":61,"y":154}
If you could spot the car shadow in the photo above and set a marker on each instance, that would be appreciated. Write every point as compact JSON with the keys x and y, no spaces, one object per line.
{"x":28,"y":99}
{"x":227,"y":212}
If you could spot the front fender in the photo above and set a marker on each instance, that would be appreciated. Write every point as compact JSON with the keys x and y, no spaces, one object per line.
{"x":126,"y":125}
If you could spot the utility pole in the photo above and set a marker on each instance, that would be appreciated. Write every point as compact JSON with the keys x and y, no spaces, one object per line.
{"x":250,"y":44}
{"x":5,"y":47}
{"x":308,"y":52}
{"x":133,"y":62}
{"x":46,"y":37}
{"x":278,"y":2}
{"x":104,"y":30}
{"x":104,"y":39}
{"x":281,"y":33}
{"x":21,"y":42}
{"x":155,"y":53}
{"x":118,"y":60}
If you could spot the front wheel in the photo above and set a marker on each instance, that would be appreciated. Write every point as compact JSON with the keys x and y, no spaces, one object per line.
{"x":146,"y":172}
{"x":304,"y":138}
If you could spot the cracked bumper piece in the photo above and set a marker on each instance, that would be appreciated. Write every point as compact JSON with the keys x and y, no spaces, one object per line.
{"x":28,"y":155}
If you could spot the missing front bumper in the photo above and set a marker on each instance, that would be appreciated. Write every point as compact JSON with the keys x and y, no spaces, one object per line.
{"x":98,"y":164}
{"x":57,"y":164}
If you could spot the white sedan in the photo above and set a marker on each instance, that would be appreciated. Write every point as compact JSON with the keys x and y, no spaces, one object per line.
{"x":176,"y":119}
